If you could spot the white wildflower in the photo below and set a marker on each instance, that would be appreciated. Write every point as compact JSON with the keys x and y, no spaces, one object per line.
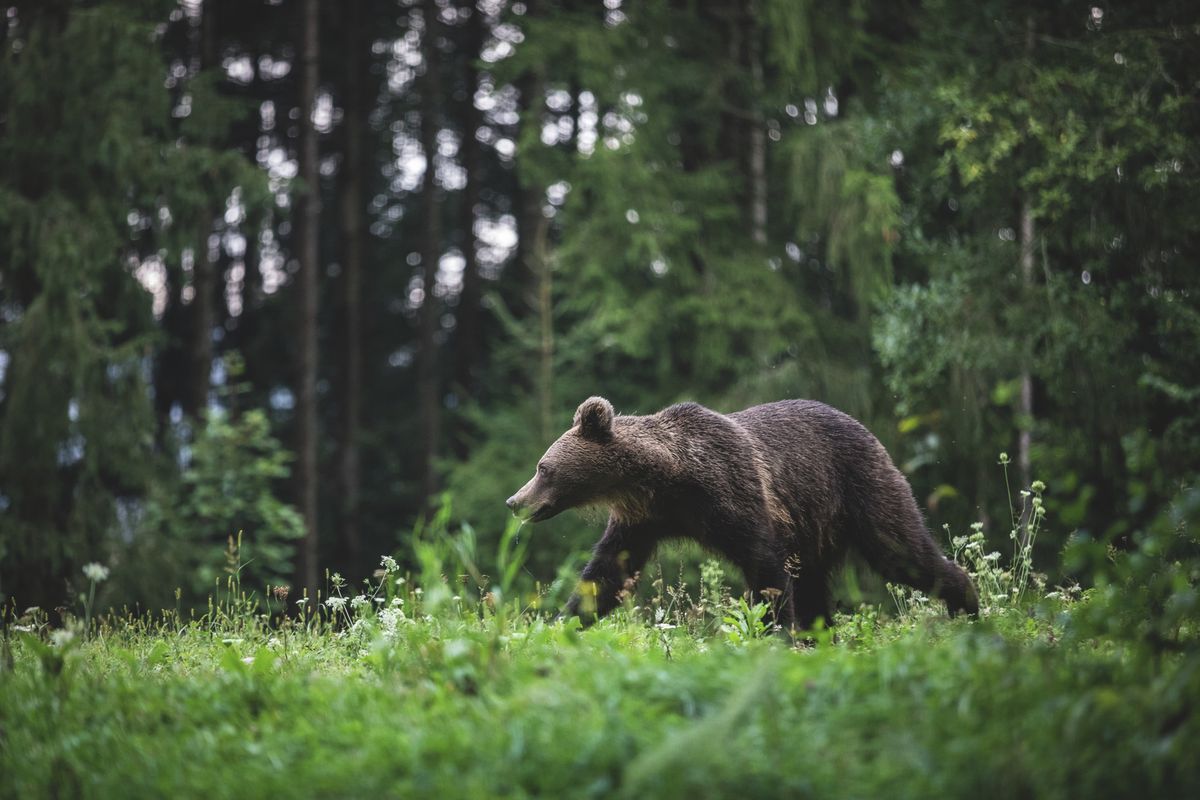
{"x":360,"y":602}
{"x":95,"y":572}
{"x":335,"y":603}
{"x":389,"y":620}
{"x":356,"y":629}
{"x":389,"y":564}
{"x":62,"y":637}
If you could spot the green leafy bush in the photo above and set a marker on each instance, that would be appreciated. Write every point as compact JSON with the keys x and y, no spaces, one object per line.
{"x":221,"y":521}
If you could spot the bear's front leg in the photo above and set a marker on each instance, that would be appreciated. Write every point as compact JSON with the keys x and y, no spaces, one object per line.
{"x":619,"y":556}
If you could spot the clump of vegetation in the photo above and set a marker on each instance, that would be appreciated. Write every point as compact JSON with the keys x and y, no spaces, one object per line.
{"x":999,"y":586}
{"x":451,"y":679}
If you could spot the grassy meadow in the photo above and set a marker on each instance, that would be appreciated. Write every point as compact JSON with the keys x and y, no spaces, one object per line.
{"x":414,"y":685}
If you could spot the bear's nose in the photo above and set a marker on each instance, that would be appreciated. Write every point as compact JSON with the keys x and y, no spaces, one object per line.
{"x":511,"y":503}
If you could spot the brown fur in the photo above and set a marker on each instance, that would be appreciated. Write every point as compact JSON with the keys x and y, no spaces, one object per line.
{"x":783,"y":490}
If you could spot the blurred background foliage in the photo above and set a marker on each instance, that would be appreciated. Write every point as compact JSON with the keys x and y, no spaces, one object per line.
{"x":972,"y":226}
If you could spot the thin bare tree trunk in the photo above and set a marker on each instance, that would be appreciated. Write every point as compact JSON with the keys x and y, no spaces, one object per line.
{"x":427,"y":382}
{"x":308,"y":211}
{"x":533,"y":230}
{"x":353,"y":235}
{"x":202,"y":318}
{"x":757,"y":133}
{"x":1025,"y":440}
{"x":203,"y":313}
{"x":546,"y":331}
{"x":469,"y":322}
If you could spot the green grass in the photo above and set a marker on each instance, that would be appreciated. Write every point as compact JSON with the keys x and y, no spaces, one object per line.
{"x":463,"y":701}
{"x":406,"y":689}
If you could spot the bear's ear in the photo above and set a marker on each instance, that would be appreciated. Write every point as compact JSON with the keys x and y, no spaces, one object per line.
{"x":594,"y":418}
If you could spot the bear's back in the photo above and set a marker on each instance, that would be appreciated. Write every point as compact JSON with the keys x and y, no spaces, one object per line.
{"x":819,"y":458}
{"x":796,"y":426}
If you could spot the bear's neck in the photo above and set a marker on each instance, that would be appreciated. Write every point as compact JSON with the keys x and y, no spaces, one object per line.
{"x":648,"y":449}
{"x":650,"y":465}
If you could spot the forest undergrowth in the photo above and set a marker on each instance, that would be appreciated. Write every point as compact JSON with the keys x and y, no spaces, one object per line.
{"x":455,"y":679}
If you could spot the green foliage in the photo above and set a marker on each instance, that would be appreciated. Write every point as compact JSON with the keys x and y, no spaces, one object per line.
{"x":1148,"y":595}
{"x":1047,"y":697}
{"x":91,"y":165}
{"x":745,"y":622}
{"x":840,"y":194}
{"x":223,"y":518}
{"x":73,"y":354}
{"x":230,"y":486}
{"x":1000,"y":586}
{"x":1080,"y":121}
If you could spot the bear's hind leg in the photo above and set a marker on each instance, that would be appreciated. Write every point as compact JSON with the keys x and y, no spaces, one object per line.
{"x":925,"y":568}
{"x":953,"y":586}
{"x":902,"y":550}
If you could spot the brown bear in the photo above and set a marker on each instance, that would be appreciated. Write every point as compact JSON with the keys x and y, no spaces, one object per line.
{"x":783,"y":490}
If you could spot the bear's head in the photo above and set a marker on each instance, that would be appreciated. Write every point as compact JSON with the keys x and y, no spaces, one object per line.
{"x":580,"y":469}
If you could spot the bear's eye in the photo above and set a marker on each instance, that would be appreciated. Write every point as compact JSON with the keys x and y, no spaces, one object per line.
{"x":543,"y":470}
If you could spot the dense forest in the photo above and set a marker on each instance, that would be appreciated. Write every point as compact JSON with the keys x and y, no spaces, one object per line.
{"x":304,"y":274}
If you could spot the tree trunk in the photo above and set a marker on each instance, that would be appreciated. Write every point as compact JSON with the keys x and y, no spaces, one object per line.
{"x":541,"y":263}
{"x":469,"y":322}
{"x":308,"y":212}
{"x":533,"y":229}
{"x":1025,"y":423}
{"x":200,"y":349}
{"x":204,"y":268}
{"x":427,"y":381}
{"x":756,"y":135}
{"x":173,"y":363}
{"x":353,"y":240}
